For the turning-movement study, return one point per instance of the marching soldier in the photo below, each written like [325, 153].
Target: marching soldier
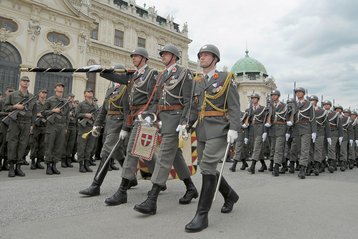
[323, 134]
[277, 129]
[86, 113]
[218, 107]
[305, 129]
[56, 111]
[112, 117]
[171, 104]
[335, 124]
[70, 134]
[355, 130]
[142, 87]
[352, 148]
[241, 145]
[258, 116]
[38, 133]
[3, 130]
[347, 138]
[19, 129]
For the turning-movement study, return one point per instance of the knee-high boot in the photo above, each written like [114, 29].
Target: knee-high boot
[94, 189]
[200, 220]
[230, 196]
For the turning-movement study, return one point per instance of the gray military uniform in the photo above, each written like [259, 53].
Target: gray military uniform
[258, 117]
[323, 132]
[335, 124]
[38, 134]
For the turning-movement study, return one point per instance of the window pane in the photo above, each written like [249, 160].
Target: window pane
[141, 42]
[56, 37]
[118, 38]
[8, 24]
[94, 32]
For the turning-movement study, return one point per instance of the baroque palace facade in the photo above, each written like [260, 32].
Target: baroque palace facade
[76, 33]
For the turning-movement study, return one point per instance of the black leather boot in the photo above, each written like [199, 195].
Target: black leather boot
[322, 166]
[244, 164]
[233, 166]
[317, 167]
[38, 164]
[149, 206]
[5, 165]
[297, 166]
[291, 167]
[49, 169]
[82, 167]
[120, 196]
[283, 168]
[113, 165]
[54, 169]
[91, 162]
[309, 169]
[276, 170]
[302, 173]
[94, 189]
[263, 166]
[11, 170]
[252, 167]
[343, 166]
[86, 166]
[190, 193]
[200, 220]
[351, 164]
[331, 165]
[69, 162]
[230, 196]
[33, 164]
[18, 171]
[270, 168]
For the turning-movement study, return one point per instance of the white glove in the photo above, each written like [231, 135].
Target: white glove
[182, 132]
[92, 67]
[351, 142]
[96, 131]
[340, 140]
[289, 123]
[246, 140]
[148, 119]
[357, 142]
[264, 137]
[244, 126]
[123, 134]
[232, 136]
[287, 137]
[314, 135]
[268, 125]
[329, 140]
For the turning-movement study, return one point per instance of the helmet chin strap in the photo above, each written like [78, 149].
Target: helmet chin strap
[140, 62]
[171, 58]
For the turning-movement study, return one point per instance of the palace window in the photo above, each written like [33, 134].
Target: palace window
[94, 32]
[56, 37]
[8, 24]
[141, 42]
[118, 38]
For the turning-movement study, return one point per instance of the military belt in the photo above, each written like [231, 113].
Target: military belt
[212, 113]
[302, 122]
[279, 122]
[170, 107]
[114, 112]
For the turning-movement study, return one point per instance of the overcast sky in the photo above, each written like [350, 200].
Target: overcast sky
[314, 43]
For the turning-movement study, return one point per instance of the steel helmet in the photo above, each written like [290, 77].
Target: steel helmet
[276, 92]
[314, 97]
[210, 48]
[170, 48]
[140, 51]
[255, 95]
[300, 89]
[327, 102]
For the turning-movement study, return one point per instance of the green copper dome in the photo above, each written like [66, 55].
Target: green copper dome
[248, 65]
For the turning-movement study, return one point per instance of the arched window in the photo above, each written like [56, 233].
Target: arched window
[8, 24]
[48, 80]
[10, 61]
[56, 37]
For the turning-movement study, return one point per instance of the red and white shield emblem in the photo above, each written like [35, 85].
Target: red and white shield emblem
[146, 139]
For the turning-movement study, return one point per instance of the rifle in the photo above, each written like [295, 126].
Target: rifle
[13, 114]
[322, 101]
[84, 121]
[250, 112]
[54, 115]
[40, 120]
[269, 106]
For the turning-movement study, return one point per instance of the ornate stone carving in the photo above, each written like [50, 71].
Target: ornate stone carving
[83, 41]
[4, 34]
[152, 14]
[81, 5]
[34, 29]
[58, 47]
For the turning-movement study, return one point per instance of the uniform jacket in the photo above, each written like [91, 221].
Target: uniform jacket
[348, 133]
[210, 127]
[305, 122]
[83, 108]
[30, 109]
[53, 102]
[323, 128]
[335, 124]
[257, 119]
[279, 118]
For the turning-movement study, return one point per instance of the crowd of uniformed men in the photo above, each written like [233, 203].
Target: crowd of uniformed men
[298, 135]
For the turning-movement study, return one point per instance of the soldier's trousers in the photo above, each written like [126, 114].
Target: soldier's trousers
[168, 156]
[317, 150]
[343, 152]
[17, 140]
[210, 153]
[352, 150]
[110, 139]
[3, 143]
[332, 148]
[38, 142]
[257, 150]
[240, 148]
[278, 148]
[295, 150]
[84, 147]
[303, 144]
[55, 141]
[70, 141]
